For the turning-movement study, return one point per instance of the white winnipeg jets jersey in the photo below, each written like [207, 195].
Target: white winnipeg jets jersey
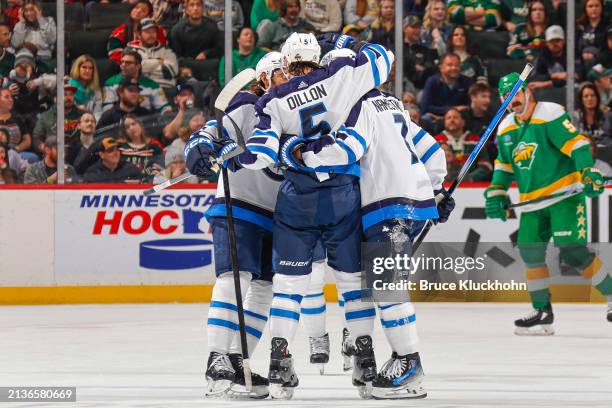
[394, 180]
[314, 104]
[253, 192]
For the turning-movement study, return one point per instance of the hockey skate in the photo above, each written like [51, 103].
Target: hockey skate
[319, 351]
[537, 323]
[238, 389]
[219, 375]
[347, 351]
[282, 377]
[610, 311]
[400, 378]
[364, 366]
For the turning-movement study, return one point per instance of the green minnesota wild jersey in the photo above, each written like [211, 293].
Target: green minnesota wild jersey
[538, 154]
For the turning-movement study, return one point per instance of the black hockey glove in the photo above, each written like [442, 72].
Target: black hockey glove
[446, 204]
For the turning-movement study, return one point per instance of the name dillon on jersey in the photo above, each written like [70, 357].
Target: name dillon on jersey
[315, 93]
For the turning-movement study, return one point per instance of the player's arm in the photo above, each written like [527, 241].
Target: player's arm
[263, 145]
[429, 153]
[496, 195]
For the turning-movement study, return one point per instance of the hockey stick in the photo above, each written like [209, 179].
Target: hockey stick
[225, 96]
[574, 191]
[474, 154]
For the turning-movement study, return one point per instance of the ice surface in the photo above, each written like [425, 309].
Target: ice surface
[153, 356]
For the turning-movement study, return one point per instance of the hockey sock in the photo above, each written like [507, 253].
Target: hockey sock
[538, 282]
[288, 291]
[398, 323]
[313, 304]
[222, 316]
[359, 314]
[256, 308]
[600, 278]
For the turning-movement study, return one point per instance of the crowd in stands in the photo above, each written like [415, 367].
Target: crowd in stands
[142, 75]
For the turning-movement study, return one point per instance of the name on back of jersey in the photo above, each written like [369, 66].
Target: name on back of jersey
[312, 94]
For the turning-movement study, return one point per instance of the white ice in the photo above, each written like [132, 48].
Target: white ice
[153, 356]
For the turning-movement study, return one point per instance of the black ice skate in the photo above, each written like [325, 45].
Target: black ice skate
[219, 375]
[610, 311]
[537, 323]
[282, 376]
[238, 389]
[319, 351]
[400, 378]
[364, 366]
[348, 351]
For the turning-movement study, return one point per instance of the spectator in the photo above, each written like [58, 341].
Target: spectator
[513, 13]
[35, 29]
[111, 168]
[246, 56]
[264, 11]
[419, 61]
[153, 97]
[84, 77]
[415, 7]
[45, 171]
[128, 31]
[138, 148]
[175, 166]
[360, 12]
[13, 12]
[324, 15]
[477, 116]
[184, 100]
[196, 36]
[479, 14]
[462, 142]
[353, 30]
[158, 61]
[471, 65]
[528, 38]
[601, 165]
[589, 117]
[7, 58]
[414, 112]
[600, 76]
[452, 167]
[46, 125]
[604, 57]
[165, 12]
[382, 29]
[12, 166]
[20, 137]
[436, 28]
[273, 35]
[83, 139]
[550, 67]
[444, 90]
[215, 10]
[591, 30]
[128, 93]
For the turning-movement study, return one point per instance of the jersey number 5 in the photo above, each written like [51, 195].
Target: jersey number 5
[400, 120]
[307, 114]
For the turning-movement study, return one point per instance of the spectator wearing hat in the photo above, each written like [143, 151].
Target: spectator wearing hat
[273, 35]
[175, 166]
[324, 15]
[246, 56]
[46, 125]
[601, 78]
[158, 61]
[19, 134]
[111, 168]
[360, 12]
[184, 100]
[196, 36]
[7, 58]
[83, 139]
[153, 96]
[550, 67]
[215, 10]
[479, 14]
[45, 171]
[419, 60]
[128, 93]
[528, 38]
[436, 27]
[35, 29]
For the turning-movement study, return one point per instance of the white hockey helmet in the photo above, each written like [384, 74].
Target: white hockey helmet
[301, 47]
[267, 65]
[339, 53]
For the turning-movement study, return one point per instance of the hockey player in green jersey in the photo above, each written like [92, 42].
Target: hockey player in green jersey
[542, 151]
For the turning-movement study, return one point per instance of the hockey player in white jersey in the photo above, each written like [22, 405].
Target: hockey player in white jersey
[397, 198]
[253, 201]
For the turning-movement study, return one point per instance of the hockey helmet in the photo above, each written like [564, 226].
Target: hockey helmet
[301, 47]
[267, 65]
[507, 82]
[339, 53]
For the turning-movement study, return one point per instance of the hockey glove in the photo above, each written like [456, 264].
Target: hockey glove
[446, 204]
[593, 182]
[333, 41]
[496, 202]
[201, 151]
[288, 145]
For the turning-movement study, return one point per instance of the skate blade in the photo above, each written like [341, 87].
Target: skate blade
[217, 389]
[365, 391]
[539, 330]
[398, 393]
[347, 363]
[321, 368]
[277, 391]
[238, 392]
